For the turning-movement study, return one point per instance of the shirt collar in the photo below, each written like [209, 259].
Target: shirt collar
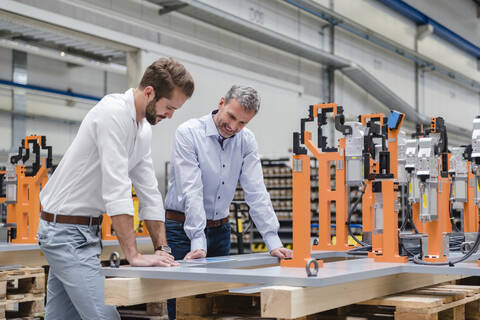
[131, 103]
[211, 129]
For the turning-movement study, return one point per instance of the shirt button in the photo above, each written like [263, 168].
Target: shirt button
[224, 166]
[218, 197]
[223, 182]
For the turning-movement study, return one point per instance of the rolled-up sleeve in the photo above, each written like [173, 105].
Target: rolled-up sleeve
[256, 195]
[111, 135]
[190, 187]
[146, 188]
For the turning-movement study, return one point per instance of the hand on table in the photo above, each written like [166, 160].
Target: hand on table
[151, 260]
[195, 254]
[282, 253]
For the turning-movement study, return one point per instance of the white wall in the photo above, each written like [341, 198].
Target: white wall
[58, 75]
[218, 58]
[282, 105]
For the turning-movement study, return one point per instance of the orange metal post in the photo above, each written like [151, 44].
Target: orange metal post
[435, 229]
[390, 226]
[443, 203]
[470, 209]
[301, 213]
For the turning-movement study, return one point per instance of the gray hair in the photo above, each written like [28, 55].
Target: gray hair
[247, 97]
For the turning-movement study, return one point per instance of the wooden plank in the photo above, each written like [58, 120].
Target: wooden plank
[414, 316]
[29, 298]
[412, 301]
[452, 295]
[3, 290]
[443, 307]
[294, 302]
[470, 290]
[130, 291]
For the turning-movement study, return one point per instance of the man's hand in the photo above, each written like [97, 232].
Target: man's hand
[282, 253]
[164, 254]
[123, 225]
[147, 260]
[195, 254]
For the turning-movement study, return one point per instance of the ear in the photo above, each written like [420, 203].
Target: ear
[149, 92]
[221, 103]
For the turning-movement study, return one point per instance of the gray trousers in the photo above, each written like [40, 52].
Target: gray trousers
[75, 287]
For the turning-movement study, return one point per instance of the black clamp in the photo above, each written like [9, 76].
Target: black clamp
[114, 260]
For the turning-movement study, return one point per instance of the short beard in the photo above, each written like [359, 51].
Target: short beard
[151, 113]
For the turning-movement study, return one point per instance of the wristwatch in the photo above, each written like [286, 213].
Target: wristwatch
[167, 249]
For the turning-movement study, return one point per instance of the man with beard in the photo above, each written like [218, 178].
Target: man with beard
[110, 152]
[210, 155]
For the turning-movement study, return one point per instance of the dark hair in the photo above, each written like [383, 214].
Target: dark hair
[166, 74]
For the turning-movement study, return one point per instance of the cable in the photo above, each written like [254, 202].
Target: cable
[417, 259]
[408, 217]
[360, 251]
[350, 212]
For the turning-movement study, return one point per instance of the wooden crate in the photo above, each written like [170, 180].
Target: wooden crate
[22, 293]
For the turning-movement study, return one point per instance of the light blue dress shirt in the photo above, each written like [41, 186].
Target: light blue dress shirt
[204, 176]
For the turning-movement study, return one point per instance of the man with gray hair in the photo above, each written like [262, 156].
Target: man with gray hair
[210, 155]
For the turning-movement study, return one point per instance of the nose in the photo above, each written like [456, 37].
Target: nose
[170, 114]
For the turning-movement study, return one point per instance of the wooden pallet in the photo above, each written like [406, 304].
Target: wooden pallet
[444, 301]
[150, 311]
[430, 303]
[22, 293]
[223, 306]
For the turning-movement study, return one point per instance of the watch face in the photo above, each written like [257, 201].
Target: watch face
[166, 249]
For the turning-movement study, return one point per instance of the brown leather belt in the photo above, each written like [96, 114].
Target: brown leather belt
[180, 217]
[71, 219]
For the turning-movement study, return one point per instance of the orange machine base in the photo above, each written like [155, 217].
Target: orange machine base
[373, 254]
[435, 259]
[298, 263]
[394, 259]
[478, 262]
[333, 247]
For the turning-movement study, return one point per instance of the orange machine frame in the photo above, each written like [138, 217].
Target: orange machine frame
[325, 193]
[25, 213]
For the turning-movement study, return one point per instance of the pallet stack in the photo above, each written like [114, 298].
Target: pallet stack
[22, 293]
[444, 301]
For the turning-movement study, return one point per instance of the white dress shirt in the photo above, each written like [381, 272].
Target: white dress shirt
[96, 173]
[204, 176]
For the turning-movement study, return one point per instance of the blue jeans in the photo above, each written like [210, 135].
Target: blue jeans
[218, 244]
[75, 288]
